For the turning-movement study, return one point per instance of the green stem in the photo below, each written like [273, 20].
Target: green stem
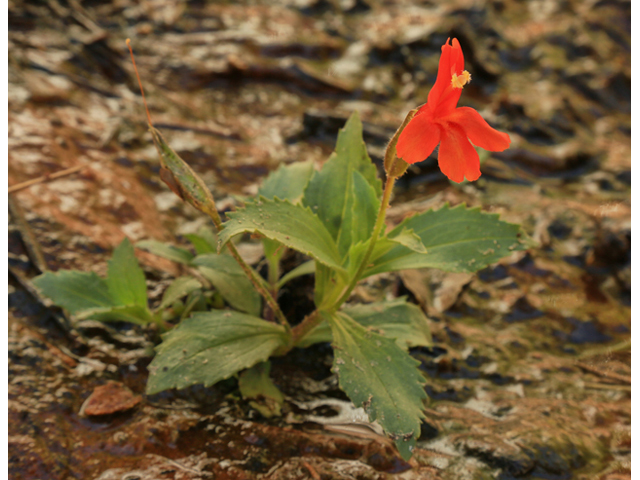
[308, 323]
[162, 325]
[258, 281]
[274, 274]
[377, 229]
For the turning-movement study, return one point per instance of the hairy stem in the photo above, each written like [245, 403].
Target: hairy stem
[308, 323]
[274, 275]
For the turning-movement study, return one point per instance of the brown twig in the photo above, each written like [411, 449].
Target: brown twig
[179, 465]
[65, 357]
[45, 178]
[607, 386]
[311, 470]
[32, 245]
[624, 379]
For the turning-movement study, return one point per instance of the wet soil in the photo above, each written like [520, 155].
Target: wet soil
[529, 374]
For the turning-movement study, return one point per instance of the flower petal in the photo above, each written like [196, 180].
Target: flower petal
[443, 98]
[457, 157]
[418, 139]
[478, 130]
[457, 58]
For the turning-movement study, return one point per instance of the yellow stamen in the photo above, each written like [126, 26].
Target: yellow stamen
[459, 81]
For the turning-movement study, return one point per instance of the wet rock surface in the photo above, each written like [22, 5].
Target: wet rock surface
[529, 374]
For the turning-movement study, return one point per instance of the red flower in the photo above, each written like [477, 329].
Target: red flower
[440, 122]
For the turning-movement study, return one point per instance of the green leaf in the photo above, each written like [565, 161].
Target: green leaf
[380, 377]
[75, 291]
[204, 241]
[230, 280]
[180, 287]
[360, 214]
[125, 278]
[304, 269]
[273, 252]
[256, 384]
[329, 286]
[166, 250]
[201, 245]
[195, 302]
[209, 347]
[287, 182]
[356, 255]
[330, 190]
[86, 295]
[119, 313]
[209, 234]
[409, 239]
[397, 319]
[293, 225]
[457, 239]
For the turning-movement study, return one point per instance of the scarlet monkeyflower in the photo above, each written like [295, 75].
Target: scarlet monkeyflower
[439, 121]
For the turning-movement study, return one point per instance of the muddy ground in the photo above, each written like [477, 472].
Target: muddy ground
[529, 374]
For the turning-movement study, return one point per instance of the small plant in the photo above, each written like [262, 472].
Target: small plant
[336, 217]
[121, 296]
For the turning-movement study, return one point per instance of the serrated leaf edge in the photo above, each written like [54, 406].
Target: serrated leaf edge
[421, 413]
[205, 383]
